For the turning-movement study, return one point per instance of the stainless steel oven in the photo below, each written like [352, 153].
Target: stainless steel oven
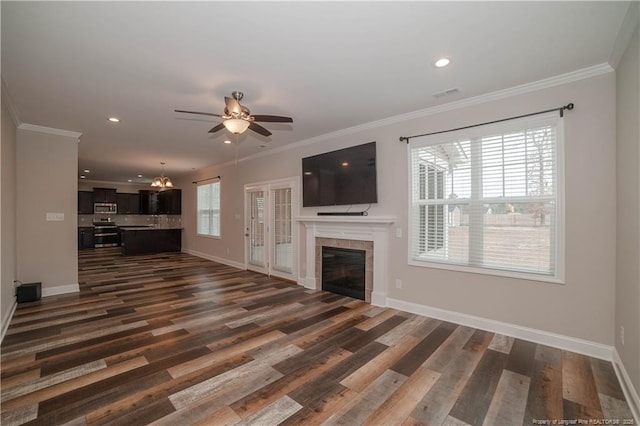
[105, 208]
[105, 234]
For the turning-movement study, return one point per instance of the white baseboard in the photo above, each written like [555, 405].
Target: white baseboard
[630, 392]
[559, 341]
[61, 289]
[7, 319]
[215, 258]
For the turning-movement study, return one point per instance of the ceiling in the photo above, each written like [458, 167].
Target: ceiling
[329, 65]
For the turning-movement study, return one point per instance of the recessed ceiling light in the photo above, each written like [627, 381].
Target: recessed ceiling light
[442, 62]
[129, 180]
[114, 119]
[307, 173]
[227, 141]
[139, 175]
[345, 164]
[82, 176]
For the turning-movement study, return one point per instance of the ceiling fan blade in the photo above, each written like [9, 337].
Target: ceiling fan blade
[259, 129]
[199, 113]
[272, 119]
[233, 106]
[217, 128]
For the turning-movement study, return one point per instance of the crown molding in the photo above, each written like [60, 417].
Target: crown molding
[7, 100]
[50, 130]
[558, 80]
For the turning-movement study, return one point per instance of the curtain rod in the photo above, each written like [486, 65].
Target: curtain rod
[561, 110]
[202, 180]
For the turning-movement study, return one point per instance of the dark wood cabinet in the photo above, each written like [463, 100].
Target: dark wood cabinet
[170, 201]
[148, 202]
[144, 241]
[104, 195]
[164, 202]
[128, 203]
[85, 238]
[85, 202]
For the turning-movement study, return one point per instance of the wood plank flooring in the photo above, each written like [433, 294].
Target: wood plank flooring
[173, 339]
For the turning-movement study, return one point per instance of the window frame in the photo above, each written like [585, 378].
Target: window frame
[558, 231]
[198, 186]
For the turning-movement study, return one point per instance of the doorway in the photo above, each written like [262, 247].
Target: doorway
[271, 235]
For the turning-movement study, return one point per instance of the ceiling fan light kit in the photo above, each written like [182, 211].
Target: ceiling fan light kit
[237, 118]
[236, 125]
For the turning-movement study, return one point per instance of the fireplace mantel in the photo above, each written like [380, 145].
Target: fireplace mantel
[374, 220]
[361, 228]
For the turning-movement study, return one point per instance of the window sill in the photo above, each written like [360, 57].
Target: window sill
[214, 237]
[487, 271]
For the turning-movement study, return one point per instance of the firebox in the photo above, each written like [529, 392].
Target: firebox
[343, 271]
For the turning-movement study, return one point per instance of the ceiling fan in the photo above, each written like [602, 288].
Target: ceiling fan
[237, 117]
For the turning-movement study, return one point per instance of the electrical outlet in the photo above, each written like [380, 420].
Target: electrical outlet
[228, 250]
[55, 217]
[398, 283]
[622, 334]
[398, 232]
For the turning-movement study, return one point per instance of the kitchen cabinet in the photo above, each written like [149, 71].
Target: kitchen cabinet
[170, 201]
[104, 195]
[85, 238]
[148, 202]
[143, 240]
[85, 202]
[128, 203]
[163, 202]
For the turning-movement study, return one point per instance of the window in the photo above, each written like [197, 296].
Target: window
[489, 201]
[208, 201]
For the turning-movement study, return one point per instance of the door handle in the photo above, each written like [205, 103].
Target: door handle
[246, 235]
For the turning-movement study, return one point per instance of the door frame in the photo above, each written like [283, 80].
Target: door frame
[267, 187]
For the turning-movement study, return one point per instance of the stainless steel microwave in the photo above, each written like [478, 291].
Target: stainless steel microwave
[105, 208]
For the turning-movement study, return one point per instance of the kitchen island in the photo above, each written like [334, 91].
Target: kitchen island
[146, 240]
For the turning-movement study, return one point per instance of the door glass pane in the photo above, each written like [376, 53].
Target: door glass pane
[256, 228]
[281, 241]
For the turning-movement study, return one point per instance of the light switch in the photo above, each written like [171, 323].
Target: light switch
[398, 232]
[55, 217]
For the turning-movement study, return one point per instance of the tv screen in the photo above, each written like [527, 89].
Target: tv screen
[342, 177]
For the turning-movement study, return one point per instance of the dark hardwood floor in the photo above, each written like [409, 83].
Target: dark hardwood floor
[174, 339]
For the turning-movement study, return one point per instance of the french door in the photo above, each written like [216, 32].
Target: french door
[271, 237]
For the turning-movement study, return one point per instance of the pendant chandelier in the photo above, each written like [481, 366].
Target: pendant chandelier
[162, 182]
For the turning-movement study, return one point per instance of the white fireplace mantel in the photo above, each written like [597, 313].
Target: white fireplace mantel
[361, 228]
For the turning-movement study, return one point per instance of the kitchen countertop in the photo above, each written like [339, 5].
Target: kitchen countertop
[147, 228]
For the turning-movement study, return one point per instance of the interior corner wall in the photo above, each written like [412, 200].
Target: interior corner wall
[627, 310]
[582, 308]
[8, 266]
[47, 183]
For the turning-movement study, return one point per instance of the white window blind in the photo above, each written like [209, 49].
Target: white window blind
[208, 203]
[489, 198]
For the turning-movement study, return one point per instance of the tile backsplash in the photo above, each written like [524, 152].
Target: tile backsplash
[160, 220]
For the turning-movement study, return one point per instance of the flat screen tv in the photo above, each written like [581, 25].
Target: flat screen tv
[342, 177]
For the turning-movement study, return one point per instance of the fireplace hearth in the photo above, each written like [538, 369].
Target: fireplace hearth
[343, 271]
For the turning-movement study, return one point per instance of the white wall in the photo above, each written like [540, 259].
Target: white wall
[627, 312]
[581, 308]
[8, 237]
[47, 183]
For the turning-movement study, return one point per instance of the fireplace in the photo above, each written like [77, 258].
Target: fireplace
[343, 271]
[367, 233]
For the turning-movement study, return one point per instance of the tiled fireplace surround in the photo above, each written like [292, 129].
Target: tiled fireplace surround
[369, 233]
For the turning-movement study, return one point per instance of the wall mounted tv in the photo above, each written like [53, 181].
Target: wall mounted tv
[342, 177]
